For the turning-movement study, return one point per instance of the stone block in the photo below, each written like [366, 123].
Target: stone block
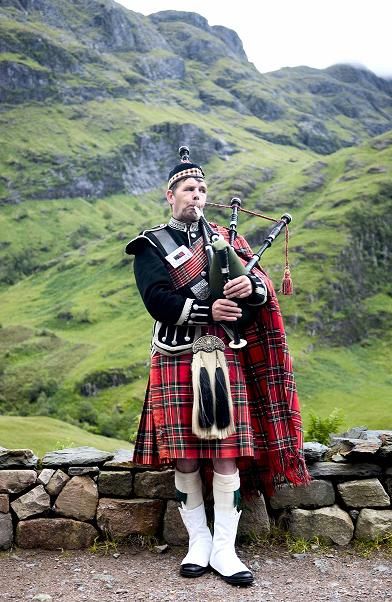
[174, 531]
[115, 484]
[254, 519]
[356, 449]
[155, 484]
[76, 456]
[78, 499]
[45, 475]
[314, 451]
[122, 460]
[83, 471]
[57, 482]
[365, 493]
[356, 432]
[332, 469]
[34, 502]
[315, 495]
[331, 523]
[4, 503]
[122, 518]
[6, 531]
[384, 435]
[15, 481]
[55, 534]
[373, 523]
[17, 458]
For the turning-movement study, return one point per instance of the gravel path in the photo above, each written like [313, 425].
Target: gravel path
[333, 576]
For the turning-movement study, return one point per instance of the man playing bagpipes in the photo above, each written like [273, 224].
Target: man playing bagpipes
[209, 400]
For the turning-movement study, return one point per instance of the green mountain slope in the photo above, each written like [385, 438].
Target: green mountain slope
[96, 100]
[46, 434]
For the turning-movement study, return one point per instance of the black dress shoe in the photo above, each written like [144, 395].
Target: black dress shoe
[242, 578]
[192, 570]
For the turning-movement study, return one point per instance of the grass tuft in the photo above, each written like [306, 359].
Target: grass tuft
[368, 547]
[279, 537]
[109, 545]
[143, 542]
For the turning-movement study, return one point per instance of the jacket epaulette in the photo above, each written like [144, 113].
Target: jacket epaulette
[132, 246]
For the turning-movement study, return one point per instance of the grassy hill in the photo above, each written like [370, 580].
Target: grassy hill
[84, 157]
[42, 434]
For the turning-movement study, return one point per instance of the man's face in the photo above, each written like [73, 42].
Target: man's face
[188, 193]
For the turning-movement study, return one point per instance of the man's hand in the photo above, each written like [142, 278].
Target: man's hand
[226, 310]
[240, 288]
[229, 311]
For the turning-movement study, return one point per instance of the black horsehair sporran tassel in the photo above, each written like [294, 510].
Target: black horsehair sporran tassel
[222, 413]
[206, 400]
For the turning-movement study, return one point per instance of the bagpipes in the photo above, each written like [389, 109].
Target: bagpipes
[224, 263]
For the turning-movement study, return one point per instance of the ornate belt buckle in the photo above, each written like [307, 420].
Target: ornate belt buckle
[208, 343]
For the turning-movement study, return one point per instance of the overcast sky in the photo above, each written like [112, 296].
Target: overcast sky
[281, 33]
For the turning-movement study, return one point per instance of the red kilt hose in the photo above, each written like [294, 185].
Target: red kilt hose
[268, 441]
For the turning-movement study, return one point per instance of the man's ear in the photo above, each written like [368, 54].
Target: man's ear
[170, 196]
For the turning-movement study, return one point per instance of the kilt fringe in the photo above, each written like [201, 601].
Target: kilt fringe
[285, 468]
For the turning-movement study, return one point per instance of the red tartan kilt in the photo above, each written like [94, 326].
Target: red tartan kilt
[165, 431]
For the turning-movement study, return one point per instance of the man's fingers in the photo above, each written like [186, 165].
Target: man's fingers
[226, 310]
[238, 287]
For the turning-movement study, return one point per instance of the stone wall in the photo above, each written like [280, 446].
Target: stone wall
[72, 496]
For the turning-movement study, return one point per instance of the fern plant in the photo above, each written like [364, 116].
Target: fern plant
[320, 428]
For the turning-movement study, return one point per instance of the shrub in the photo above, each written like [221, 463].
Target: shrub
[83, 316]
[35, 389]
[15, 267]
[87, 413]
[65, 314]
[110, 425]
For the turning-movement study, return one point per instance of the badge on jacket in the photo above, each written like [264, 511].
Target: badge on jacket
[179, 256]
